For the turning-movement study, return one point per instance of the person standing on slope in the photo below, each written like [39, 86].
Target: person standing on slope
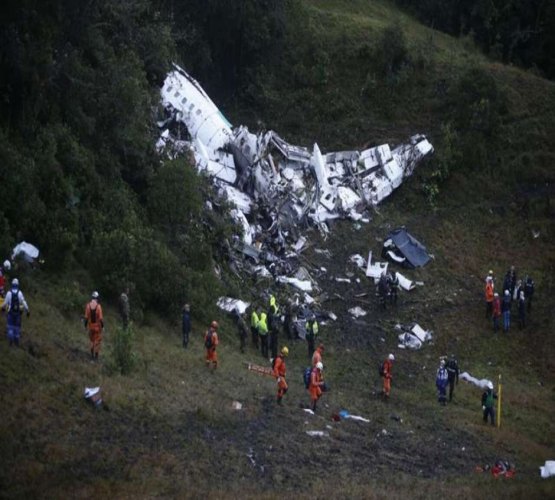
[387, 375]
[316, 384]
[186, 325]
[94, 323]
[317, 356]
[15, 304]
[279, 373]
[488, 406]
[442, 379]
[452, 367]
[496, 313]
[211, 341]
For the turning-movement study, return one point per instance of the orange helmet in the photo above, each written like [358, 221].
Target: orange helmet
[214, 324]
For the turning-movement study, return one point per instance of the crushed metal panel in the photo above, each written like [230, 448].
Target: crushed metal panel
[229, 304]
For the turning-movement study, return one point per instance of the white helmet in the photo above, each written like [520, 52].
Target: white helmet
[15, 282]
[391, 357]
[319, 365]
[95, 295]
[442, 362]
[490, 385]
[7, 265]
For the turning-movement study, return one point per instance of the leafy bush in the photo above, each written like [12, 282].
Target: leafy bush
[123, 356]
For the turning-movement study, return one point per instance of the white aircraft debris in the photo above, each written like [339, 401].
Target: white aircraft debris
[481, 383]
[357, 312]
[276, 187]
[228, 304]
[413, 337]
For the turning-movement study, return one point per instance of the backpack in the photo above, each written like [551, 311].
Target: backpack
[208, 340]
[381, 369]
[15, 307]
[306, 376]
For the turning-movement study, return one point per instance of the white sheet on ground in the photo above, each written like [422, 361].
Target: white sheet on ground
[482, 383]
[405, 283]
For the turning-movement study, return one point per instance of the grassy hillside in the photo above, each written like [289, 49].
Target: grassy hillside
[169, 429]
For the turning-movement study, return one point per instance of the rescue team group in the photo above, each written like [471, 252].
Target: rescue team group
[264, 328]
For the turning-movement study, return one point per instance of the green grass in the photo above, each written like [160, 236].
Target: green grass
[168, 429]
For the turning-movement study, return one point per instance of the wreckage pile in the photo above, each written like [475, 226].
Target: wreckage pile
[277, 188]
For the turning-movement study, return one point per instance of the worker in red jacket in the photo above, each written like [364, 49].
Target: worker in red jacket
[279, 373]
[387, 376]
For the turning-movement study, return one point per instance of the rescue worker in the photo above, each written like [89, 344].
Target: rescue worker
[529, 286]
[387, 375]
[316, 384]
[263, 334]
[254, 327]
[489, 293]
[383, 290]
[393, 284]
[506, 309]
[124, 308]
[317, 356]
[273, 326]
[186, 324]
[94, 323]
[211, 341]
[279, 373]
[311, 327]
[496, 313]
[521, 310]
[488, 406]
[15, 303]
[3, 270]
[242, 330]
[287, 321]
[442, 379]
[452, 367]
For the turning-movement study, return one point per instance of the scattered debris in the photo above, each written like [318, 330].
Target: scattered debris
[358, 260]
[413, 337]
[500, 468]
[29, 253]
[357, 312]
[278, 188]
[261, 370]
[344, 414]
[231, 305]
[93, 396]
[403, 248]
[318, 433]
[235, 405]
[482, 383]
[548, 469]
[308, 410]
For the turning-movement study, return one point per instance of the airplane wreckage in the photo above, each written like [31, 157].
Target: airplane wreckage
[278, 188]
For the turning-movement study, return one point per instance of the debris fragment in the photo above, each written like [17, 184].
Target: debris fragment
[230, 305]
[28, 252]
[413, 337]
[318, 433]
[236, 405]
[548, 469]
[402, 247]
[344, 414]
[357, 312]
[93, 395]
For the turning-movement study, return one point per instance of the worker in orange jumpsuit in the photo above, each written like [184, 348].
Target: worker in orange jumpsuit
[94, 323]
[387, 376]
[316, 384]
[489, 297]
[317, 356]
[211, 341]
[279, 372]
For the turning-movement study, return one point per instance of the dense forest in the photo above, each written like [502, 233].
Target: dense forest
[79, 93]
[517, 31]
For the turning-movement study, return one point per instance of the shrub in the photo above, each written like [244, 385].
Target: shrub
[123, 356]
